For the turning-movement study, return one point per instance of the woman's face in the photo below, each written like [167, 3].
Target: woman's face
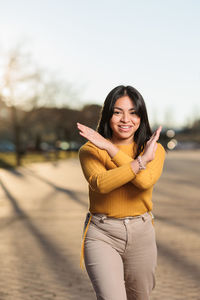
[124, 121]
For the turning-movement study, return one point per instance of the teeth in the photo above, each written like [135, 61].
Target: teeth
[125, 126]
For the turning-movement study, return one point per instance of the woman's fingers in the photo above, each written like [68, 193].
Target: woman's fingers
[88, 133]
[151, 145]
[84, 129]
[81, 126]
[92, 136]
[159, 129]
[156, 134]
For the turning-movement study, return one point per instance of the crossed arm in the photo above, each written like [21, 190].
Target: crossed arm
[148, 177]
[103, 180]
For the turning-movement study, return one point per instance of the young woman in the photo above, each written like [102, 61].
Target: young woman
[121, 162]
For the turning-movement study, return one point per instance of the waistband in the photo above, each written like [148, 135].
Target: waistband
[103, 217]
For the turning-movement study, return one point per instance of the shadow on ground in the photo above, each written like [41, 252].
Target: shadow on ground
[59, 264]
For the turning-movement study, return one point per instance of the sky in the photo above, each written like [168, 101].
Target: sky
[153, 45]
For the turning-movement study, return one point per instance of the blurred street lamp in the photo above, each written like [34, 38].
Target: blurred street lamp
[170, 133]
[172, 144]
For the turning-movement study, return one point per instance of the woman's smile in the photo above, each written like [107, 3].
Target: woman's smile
[125, 128]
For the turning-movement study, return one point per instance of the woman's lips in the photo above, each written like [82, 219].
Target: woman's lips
[125, 128]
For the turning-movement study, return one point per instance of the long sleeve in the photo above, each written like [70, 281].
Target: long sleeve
[99, 178]
[148, 177]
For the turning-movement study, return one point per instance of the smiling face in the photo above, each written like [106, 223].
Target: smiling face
[124, 121]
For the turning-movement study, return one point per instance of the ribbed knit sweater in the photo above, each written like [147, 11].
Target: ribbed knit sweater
[114, 188]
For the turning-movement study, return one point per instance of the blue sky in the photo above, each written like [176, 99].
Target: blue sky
[153, 45]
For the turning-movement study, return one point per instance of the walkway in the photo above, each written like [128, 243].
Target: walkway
[42, 209]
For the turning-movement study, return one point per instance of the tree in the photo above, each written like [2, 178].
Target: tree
[24, 89]
[18, 78]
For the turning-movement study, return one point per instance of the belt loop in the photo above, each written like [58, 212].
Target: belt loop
[152, 217]
[102, 219]
[145, 216]
[151, 214]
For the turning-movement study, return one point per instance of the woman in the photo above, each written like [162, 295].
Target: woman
[121, 162]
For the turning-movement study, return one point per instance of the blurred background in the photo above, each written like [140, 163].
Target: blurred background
[58, 61]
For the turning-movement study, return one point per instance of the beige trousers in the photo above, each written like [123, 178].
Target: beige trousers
[120, 257]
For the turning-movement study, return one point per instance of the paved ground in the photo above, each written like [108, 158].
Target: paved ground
[42, 209]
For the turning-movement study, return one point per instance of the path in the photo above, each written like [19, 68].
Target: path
[42, 209]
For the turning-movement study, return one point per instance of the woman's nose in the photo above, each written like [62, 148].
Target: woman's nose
[125, 118]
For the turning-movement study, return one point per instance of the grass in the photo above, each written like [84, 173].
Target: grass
[8, 160]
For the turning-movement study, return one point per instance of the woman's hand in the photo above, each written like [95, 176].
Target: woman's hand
[97, 139]
[93, 136]
[151, 146]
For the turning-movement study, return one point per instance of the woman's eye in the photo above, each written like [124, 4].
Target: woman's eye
[116, 112]
[133, 113]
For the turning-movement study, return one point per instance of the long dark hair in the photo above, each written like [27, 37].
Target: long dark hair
[143, 133]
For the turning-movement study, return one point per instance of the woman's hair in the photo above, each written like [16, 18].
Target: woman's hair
[143, 133]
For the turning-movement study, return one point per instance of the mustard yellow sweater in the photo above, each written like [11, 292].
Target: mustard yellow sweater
[114, 189]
